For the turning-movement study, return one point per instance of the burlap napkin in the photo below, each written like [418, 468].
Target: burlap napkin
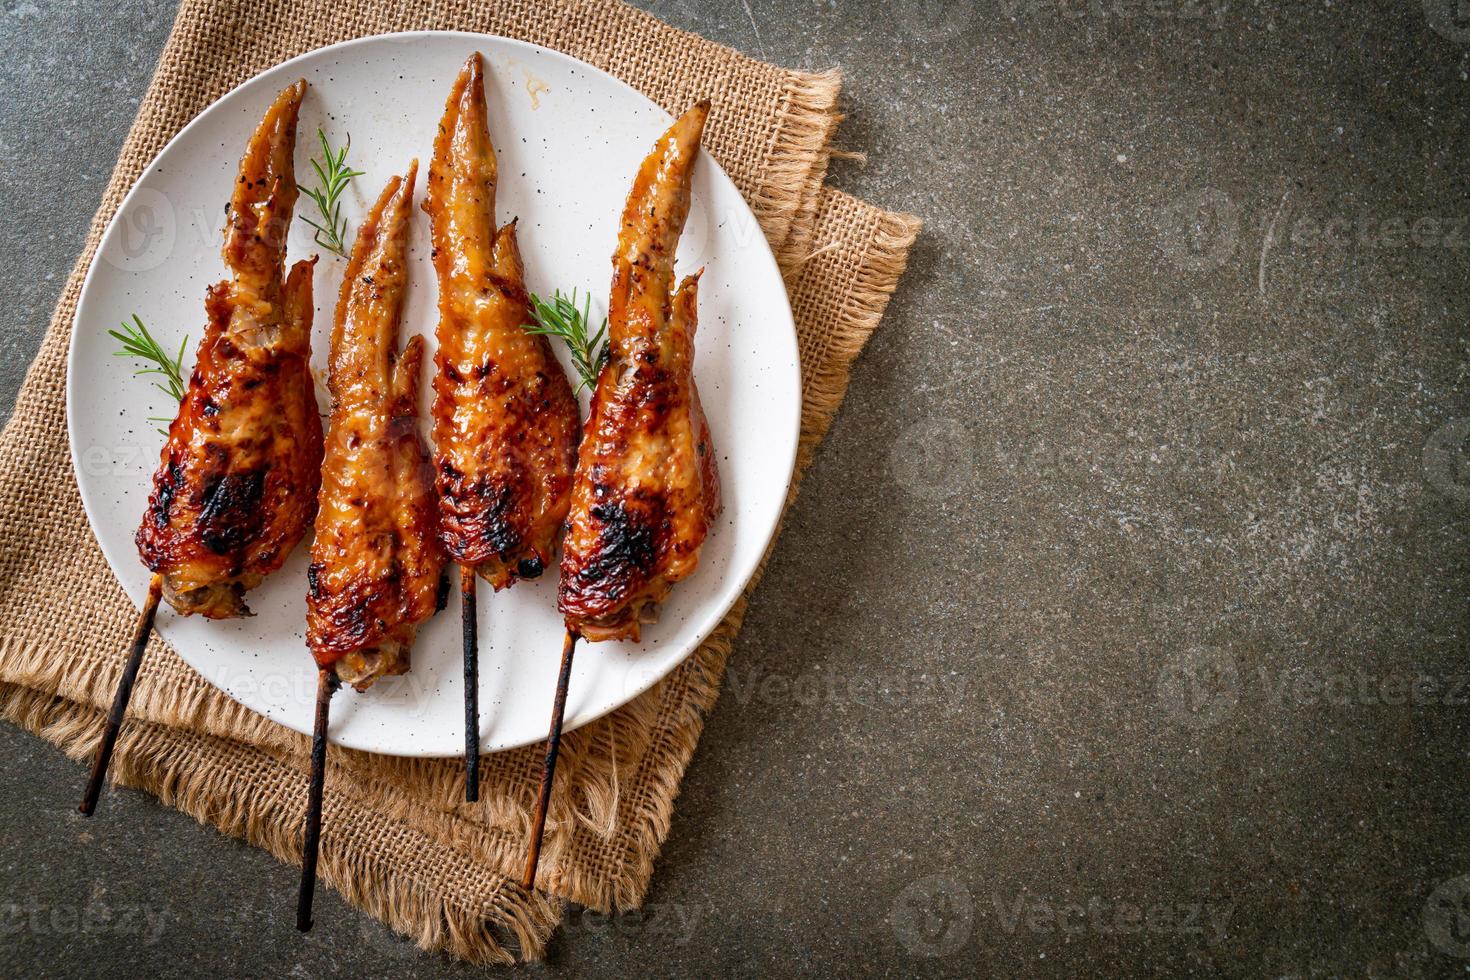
[399, 841]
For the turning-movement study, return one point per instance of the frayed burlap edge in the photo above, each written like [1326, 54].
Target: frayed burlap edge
[177, 772]
[871, 287]
[797, 164]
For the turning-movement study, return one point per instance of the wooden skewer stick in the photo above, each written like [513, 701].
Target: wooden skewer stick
[470, 626]
[326, 686]
[120, 699]
[548, 768]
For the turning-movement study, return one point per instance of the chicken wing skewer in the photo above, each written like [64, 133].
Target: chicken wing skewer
[236, 484]
[646, 490]
[505, 419]
[376, 563]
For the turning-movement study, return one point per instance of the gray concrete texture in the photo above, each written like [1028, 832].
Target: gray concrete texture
[1121, 624]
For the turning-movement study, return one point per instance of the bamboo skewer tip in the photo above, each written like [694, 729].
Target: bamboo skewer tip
[311, 837]
[548, 766]
[120, 699]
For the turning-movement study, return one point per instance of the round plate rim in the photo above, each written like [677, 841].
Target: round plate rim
[744, 571]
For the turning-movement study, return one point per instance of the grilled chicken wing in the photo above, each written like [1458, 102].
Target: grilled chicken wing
[376, 564]
[647, 489]
[237, 482]
[505, 418]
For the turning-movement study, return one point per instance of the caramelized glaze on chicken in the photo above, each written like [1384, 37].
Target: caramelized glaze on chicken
[236, 485]
[376, 563]
[647, 489]
[505, 418]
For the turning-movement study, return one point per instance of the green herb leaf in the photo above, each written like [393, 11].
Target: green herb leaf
[561, 318]
[333, 175]
[137, 342]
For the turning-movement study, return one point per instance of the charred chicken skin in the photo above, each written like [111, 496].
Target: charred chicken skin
[236, 485]
[505, 418]
[376, 564]
[647, 488]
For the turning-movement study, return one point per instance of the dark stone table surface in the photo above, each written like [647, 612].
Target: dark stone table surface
[1121, 624]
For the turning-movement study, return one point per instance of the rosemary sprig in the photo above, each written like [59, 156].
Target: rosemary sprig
[561, 318]
[139, 343]
[334, 175]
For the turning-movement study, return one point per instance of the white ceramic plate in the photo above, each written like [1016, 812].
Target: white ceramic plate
[569, 139]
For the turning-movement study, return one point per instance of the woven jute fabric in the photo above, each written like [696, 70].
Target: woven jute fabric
[399, 841]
